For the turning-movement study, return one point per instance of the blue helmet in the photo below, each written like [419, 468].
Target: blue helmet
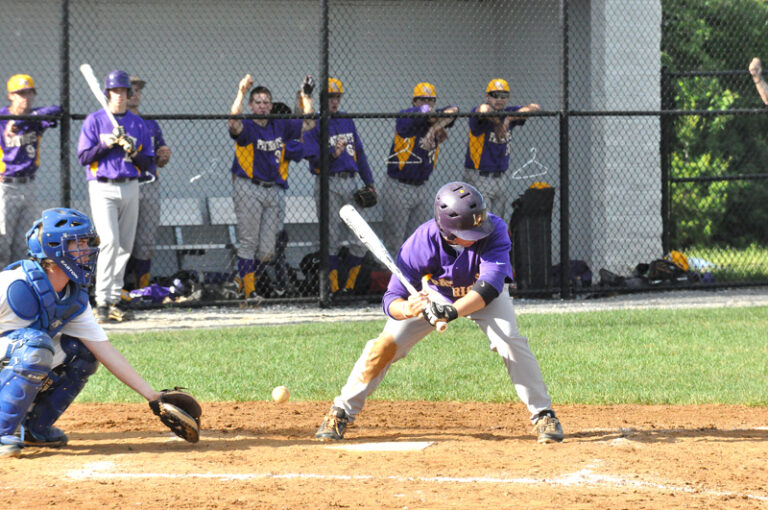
[117, 79]
[49, 236]
[460, 212]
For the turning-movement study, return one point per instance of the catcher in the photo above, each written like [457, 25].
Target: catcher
[52, 342]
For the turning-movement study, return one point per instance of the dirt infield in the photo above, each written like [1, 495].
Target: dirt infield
[261, 455]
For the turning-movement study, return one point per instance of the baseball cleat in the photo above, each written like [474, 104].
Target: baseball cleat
[102, 314]
[10, 451]
[53, 438]
[334, 424]
[548, 429]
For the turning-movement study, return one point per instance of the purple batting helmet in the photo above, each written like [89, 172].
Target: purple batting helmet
[460, 212]
[117, 79]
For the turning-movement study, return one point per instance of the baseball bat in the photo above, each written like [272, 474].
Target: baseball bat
[368, 237]
[93, 83]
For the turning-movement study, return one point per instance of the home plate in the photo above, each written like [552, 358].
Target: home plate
[399, 446]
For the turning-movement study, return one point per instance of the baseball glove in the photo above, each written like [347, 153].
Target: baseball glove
[180, 412]
[366, 197]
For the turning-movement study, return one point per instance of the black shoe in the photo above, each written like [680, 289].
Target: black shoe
[548, 428]
[102, 314]
[334, 424]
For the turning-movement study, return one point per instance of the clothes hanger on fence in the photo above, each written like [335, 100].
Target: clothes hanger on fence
[532, 165]
[394, 157]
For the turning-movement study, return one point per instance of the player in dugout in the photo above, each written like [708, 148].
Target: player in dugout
[464, 250]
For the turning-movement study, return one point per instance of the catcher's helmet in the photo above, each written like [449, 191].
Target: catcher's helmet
[497, 85]
[460, 212]
[49, 236]
[19, 82]
[117, 79]
[424, 89]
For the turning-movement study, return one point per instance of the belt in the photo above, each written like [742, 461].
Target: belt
[117, 180]
[343, 175]
[17, 180]
[263, 184]
[412, 182]
[494, 175]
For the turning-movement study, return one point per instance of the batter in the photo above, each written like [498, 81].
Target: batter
[465, 252]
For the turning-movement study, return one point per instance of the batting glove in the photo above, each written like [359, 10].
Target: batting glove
[127, 144]
[308, 85]
[118, 131]
[438, 312]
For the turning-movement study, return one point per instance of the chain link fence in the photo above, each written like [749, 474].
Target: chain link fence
[651, 142]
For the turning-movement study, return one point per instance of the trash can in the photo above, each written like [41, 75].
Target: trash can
[530, 229]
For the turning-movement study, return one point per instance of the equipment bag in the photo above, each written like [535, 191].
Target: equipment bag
[531, 233]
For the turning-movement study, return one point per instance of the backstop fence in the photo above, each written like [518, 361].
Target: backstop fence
[645, 137]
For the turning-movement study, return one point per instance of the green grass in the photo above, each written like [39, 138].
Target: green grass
[733, 264]
[646, 356]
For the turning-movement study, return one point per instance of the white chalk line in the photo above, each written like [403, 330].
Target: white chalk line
[583, 477]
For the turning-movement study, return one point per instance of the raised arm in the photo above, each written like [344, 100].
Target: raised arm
[756, 70]
[236, 125]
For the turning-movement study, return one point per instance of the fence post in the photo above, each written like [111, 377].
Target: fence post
[665, 126]
[324, 213]
[64, 124]
[565, 269]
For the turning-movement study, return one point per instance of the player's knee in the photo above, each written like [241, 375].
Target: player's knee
[31, 354]
[381, 352]
[80, 361]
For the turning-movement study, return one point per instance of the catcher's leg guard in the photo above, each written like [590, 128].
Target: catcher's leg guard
[31, 357]
[68, 381]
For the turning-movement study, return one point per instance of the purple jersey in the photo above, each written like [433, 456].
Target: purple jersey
[112, 162]
[485, 151]
[408, 159]
[453, 270]
[20, 151]
[353, 159]
[156, 137]
[265, 152]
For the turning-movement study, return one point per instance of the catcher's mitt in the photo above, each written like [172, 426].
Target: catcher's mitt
[180, 412]
[366, 197]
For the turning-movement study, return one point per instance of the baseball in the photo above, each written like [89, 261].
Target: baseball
[280, 394]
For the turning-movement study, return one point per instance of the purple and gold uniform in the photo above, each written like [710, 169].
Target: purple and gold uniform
[111, 163]
[260, 177]
[140, 263]
[343, 173]
[264, 153]
[485, 151]
[411, 161]
[453, 272]
[19, 161]
[113, 189]
[20, 151]
[467, 275]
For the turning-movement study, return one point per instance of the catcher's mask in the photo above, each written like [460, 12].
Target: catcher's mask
[460, 212]
[51, 237]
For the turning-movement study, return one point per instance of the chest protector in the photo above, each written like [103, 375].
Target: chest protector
[36, 300]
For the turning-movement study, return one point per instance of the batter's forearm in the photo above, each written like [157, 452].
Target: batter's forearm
[469, 304]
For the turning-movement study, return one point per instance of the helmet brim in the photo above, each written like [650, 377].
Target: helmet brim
[475, 234]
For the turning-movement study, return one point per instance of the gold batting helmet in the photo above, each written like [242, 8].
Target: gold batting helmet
[20, 82]
[335, 86]
[497, 85]
[424, 89]
[135, 80]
